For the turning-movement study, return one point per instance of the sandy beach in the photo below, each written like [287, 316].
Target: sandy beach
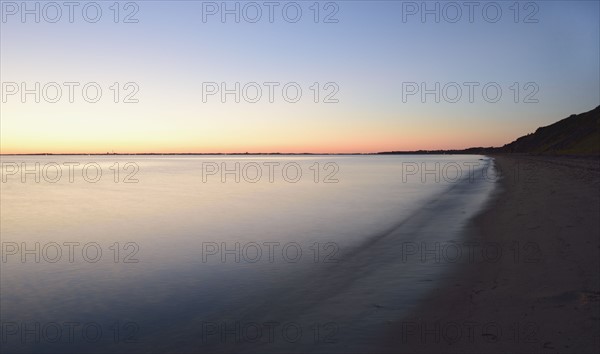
[541, 293]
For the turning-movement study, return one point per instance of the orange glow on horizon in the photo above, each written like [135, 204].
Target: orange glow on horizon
[334, 147]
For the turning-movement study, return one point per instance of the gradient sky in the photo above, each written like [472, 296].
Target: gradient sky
[369, 53]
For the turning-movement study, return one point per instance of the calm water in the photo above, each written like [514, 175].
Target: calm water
[183, 257]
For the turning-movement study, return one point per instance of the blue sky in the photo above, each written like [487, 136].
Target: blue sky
[369, 53]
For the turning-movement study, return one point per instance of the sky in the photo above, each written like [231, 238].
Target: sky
[354, 74]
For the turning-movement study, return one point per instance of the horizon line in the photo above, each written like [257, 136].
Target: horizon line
[422, 151]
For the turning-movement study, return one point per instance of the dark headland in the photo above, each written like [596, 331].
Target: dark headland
[577, 135]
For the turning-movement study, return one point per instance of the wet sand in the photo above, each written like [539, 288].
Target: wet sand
[541, 293]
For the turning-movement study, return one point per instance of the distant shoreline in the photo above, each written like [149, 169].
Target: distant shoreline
[419, 152]
[438, 152]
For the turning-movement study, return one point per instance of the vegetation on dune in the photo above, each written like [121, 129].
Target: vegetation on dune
[578, 134]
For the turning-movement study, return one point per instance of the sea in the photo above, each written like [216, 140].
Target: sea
[227, 253]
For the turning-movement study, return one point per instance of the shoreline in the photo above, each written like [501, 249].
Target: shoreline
[545, 218]
[372, 284]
